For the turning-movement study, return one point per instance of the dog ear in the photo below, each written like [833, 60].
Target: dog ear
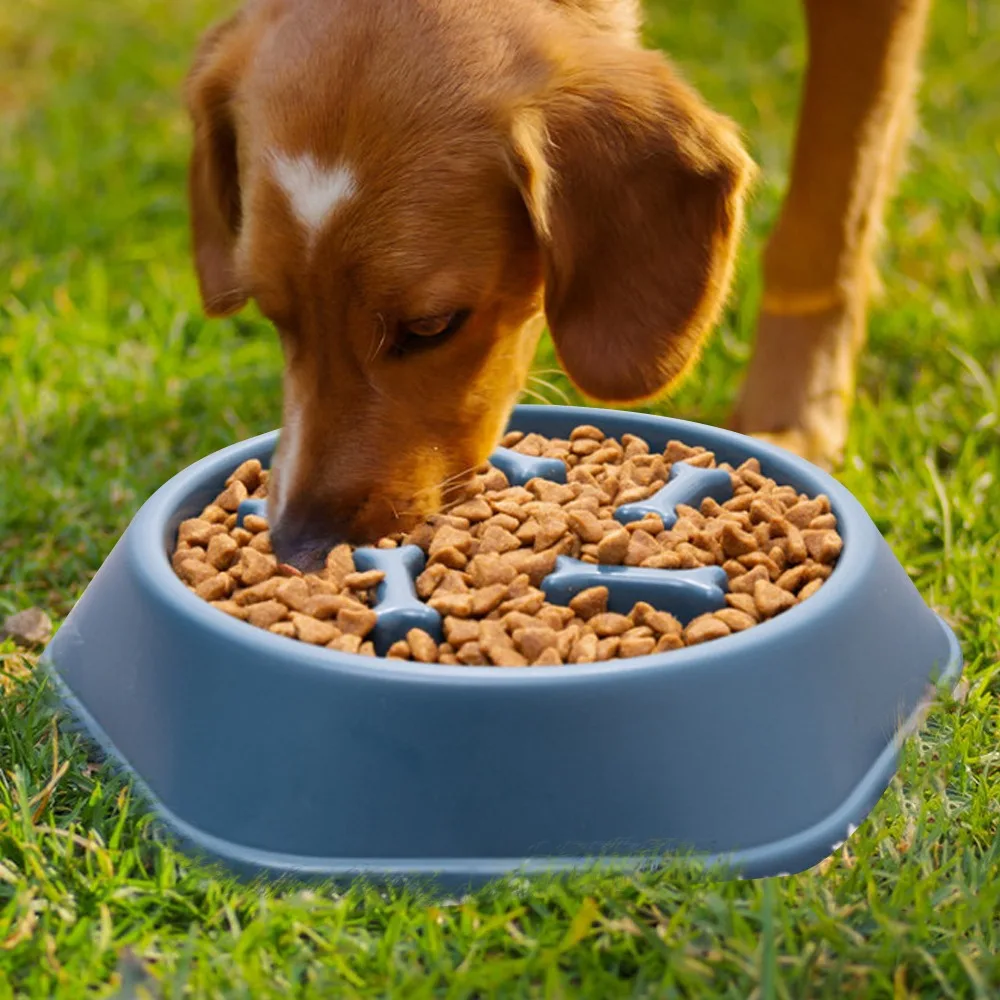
[635, 189]
[213, 173]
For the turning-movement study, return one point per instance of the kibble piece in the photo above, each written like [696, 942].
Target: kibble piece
[495, 539]
[487, 599]
[607, 648]
[362, 581]
[735, 541]
[801, 513]
[221, 552]
[793, 579]
[661, 622]
[668, 642]
[549, 492]
[609, 623]
[195, 531]
[744, 603]
[663, 560]
[824, 546]
[810, 588]
[459, 631]
[241, 536]
[232, 496]
[215, 589]
[459, 605]
[349, 643]
[705, 627]
[641, 546]
[771, 599]
[254, 567]
[254, 523]
[590, 602]
[746, 583]
[214, 514]
[636, 645]
[532, 641]
[471, 655]
[356, 621]
[261, 542]
[287, 629]
[231, 608]
[398, 650]
[195, 572]
[294, 594]
[736, 620]
[367, 648]
[324, 606]
[477, 509]
[248, 473]
[339, 564]
[613, 546]
[586, 431]
[265, 613]
[448, 537]
[429, 580]
[423, 648]
[312, 630]
[548, 657]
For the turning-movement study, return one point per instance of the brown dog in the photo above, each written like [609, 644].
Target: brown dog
[411, 189]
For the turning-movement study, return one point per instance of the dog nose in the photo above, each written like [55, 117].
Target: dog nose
[303, 541]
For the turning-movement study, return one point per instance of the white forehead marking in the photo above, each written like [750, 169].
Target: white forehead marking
[313, 191]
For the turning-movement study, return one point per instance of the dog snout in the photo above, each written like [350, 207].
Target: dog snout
[302, 538]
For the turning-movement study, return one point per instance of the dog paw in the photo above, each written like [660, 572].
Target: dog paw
[799, 386]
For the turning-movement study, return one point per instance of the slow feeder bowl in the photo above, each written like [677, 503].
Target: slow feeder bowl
[759, 752]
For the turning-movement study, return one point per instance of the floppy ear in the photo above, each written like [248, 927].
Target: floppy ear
[213, 174]
[635, 189]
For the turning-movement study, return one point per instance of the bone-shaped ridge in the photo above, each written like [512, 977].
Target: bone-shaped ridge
[688, 484]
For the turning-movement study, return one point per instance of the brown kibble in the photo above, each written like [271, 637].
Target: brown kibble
[744, 603]
[429, 580]
[254, 523]
[325, 606]
[471, 655]
[801, 513]
[254, 567]
[586, 432]
[636, 645]
[339, 564]
[532, 641]
[497, 539]
[221, 552]
[609, 623]
[487, 599]
[664, 560]
[231, 608]
[641, 546]
[735, 619]
[287, 629]
[704, 628]
[195, 531]
[459, 631]
[549, 492]
[365, 580]
[214, 514]
[398, 650]
[367, 648]
[241, 536]
[458, 605]
[232, 496]
[794, 578]
[312, 630]
[449, 557]
[549, 657]
[771, 599]
[586, 525]
[810, 588]
[824, 546]
[448, 537]
[216, 588]
[613, 546]
[607, 648]
[590, 602]
[294, 594]
[248, 473]
[585, 649]
[356, 621]
[346, 643]
[661, 622]
[195, 572]
[746, 583]
[735, 541]
[474, 510]
[265, 613]
[669, 642]
[261, 542]
[528, 603]
[422, 647]
[487, 569]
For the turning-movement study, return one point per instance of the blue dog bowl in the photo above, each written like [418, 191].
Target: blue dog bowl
[758, 753]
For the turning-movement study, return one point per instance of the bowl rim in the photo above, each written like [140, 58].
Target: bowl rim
[152, 563]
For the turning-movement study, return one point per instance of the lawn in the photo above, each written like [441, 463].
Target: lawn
[111, 381]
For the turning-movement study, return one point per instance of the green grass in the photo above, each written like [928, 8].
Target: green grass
[111, 381]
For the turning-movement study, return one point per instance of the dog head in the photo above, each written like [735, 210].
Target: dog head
[410, 191]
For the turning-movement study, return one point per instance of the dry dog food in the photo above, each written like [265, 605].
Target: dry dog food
[487, 555]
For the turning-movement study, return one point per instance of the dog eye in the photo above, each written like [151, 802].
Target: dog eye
[428, 331]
